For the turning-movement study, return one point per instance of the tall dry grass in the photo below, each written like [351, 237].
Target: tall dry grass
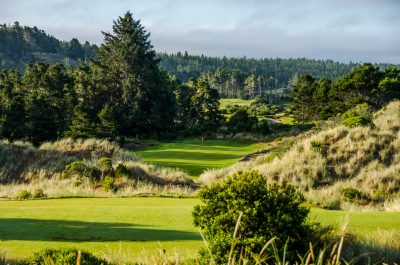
[24, 167]
[365, 158]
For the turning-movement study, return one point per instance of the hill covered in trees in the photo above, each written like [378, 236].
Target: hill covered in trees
[20, 45]
[231, 77]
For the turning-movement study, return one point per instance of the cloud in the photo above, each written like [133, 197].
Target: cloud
[357, 30]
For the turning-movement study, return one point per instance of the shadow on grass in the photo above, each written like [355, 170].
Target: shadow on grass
[76, 231]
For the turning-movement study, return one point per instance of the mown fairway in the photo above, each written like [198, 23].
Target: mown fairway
[112, 227]
[224, 102]
[130, 227]
[195, 156]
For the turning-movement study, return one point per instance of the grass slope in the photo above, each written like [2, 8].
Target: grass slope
[131, 228]
[194, 156]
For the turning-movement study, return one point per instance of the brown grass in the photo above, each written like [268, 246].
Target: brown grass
[24, 167]
[366, 158]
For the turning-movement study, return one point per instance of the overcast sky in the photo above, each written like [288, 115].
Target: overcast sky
[343, 30]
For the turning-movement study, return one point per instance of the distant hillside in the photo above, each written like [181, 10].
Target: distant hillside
[20, 45]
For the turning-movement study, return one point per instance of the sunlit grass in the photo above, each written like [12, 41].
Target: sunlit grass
[195, 156]
[128, 229]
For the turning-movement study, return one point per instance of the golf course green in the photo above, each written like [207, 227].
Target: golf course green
[131, 227]
[195, 156]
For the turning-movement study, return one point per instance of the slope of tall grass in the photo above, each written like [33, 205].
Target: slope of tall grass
[24, 167]
[341, 166]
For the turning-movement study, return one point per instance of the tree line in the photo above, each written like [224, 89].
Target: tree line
[353, 96]
[20, 44]
[121, 93]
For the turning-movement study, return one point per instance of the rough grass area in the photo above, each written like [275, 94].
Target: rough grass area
[339, 167]
[224, 102]
[23, 166]
[133, 229]
[195, 156]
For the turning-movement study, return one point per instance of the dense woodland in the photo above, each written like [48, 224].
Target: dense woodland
[355, 95]
[20, 45]
[121, 93]
[231, 77]
[125, 91]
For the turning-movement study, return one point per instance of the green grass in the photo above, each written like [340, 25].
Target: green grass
[194, 156]
[224, 102]
[130, 227]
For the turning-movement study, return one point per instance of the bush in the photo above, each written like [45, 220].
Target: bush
[121, 171]
[81, 169]
[24, 195]
[65, 257]
[38, 194]
[268, 210]
[358, 116]
[354, 195]
[108, 183]
[106, 163]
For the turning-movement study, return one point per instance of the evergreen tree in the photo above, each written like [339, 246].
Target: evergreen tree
[136, 88]
[206, 105]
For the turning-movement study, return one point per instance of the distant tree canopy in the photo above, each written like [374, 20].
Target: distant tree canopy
[20, 45]
[320, 99]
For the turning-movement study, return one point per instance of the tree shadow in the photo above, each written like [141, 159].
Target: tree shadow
[78, 231]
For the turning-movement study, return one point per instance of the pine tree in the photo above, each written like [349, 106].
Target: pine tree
[136, 88]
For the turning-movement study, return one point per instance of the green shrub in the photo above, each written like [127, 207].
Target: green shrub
[267, 210]
[24, 195]
[106, 163]
[108, 183]
[38, 194]
[65, 257]
[78, 168]
[121, 171]
[81, 169]
[353, 195]
[358, 116]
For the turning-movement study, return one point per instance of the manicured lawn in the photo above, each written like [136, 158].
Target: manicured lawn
[195, 156]
[224, 102]
[130, 227]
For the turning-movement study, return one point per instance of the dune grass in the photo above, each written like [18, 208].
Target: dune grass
[131, 229]
[194, 156]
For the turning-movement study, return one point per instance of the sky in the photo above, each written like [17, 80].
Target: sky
[342, 30]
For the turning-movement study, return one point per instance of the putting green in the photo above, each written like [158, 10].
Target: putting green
[195, 156]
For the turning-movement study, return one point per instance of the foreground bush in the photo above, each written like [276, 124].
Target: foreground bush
[65, 257]
[265, 210]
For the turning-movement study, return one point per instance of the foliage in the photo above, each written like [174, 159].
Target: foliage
[265, 210]
[241, 121]
[65, 257]
[108, 183]
[39, 194]
[354, 195]
[249, 78]
[365, 85]
[24, 195]
[20, 45]
[360, 115]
